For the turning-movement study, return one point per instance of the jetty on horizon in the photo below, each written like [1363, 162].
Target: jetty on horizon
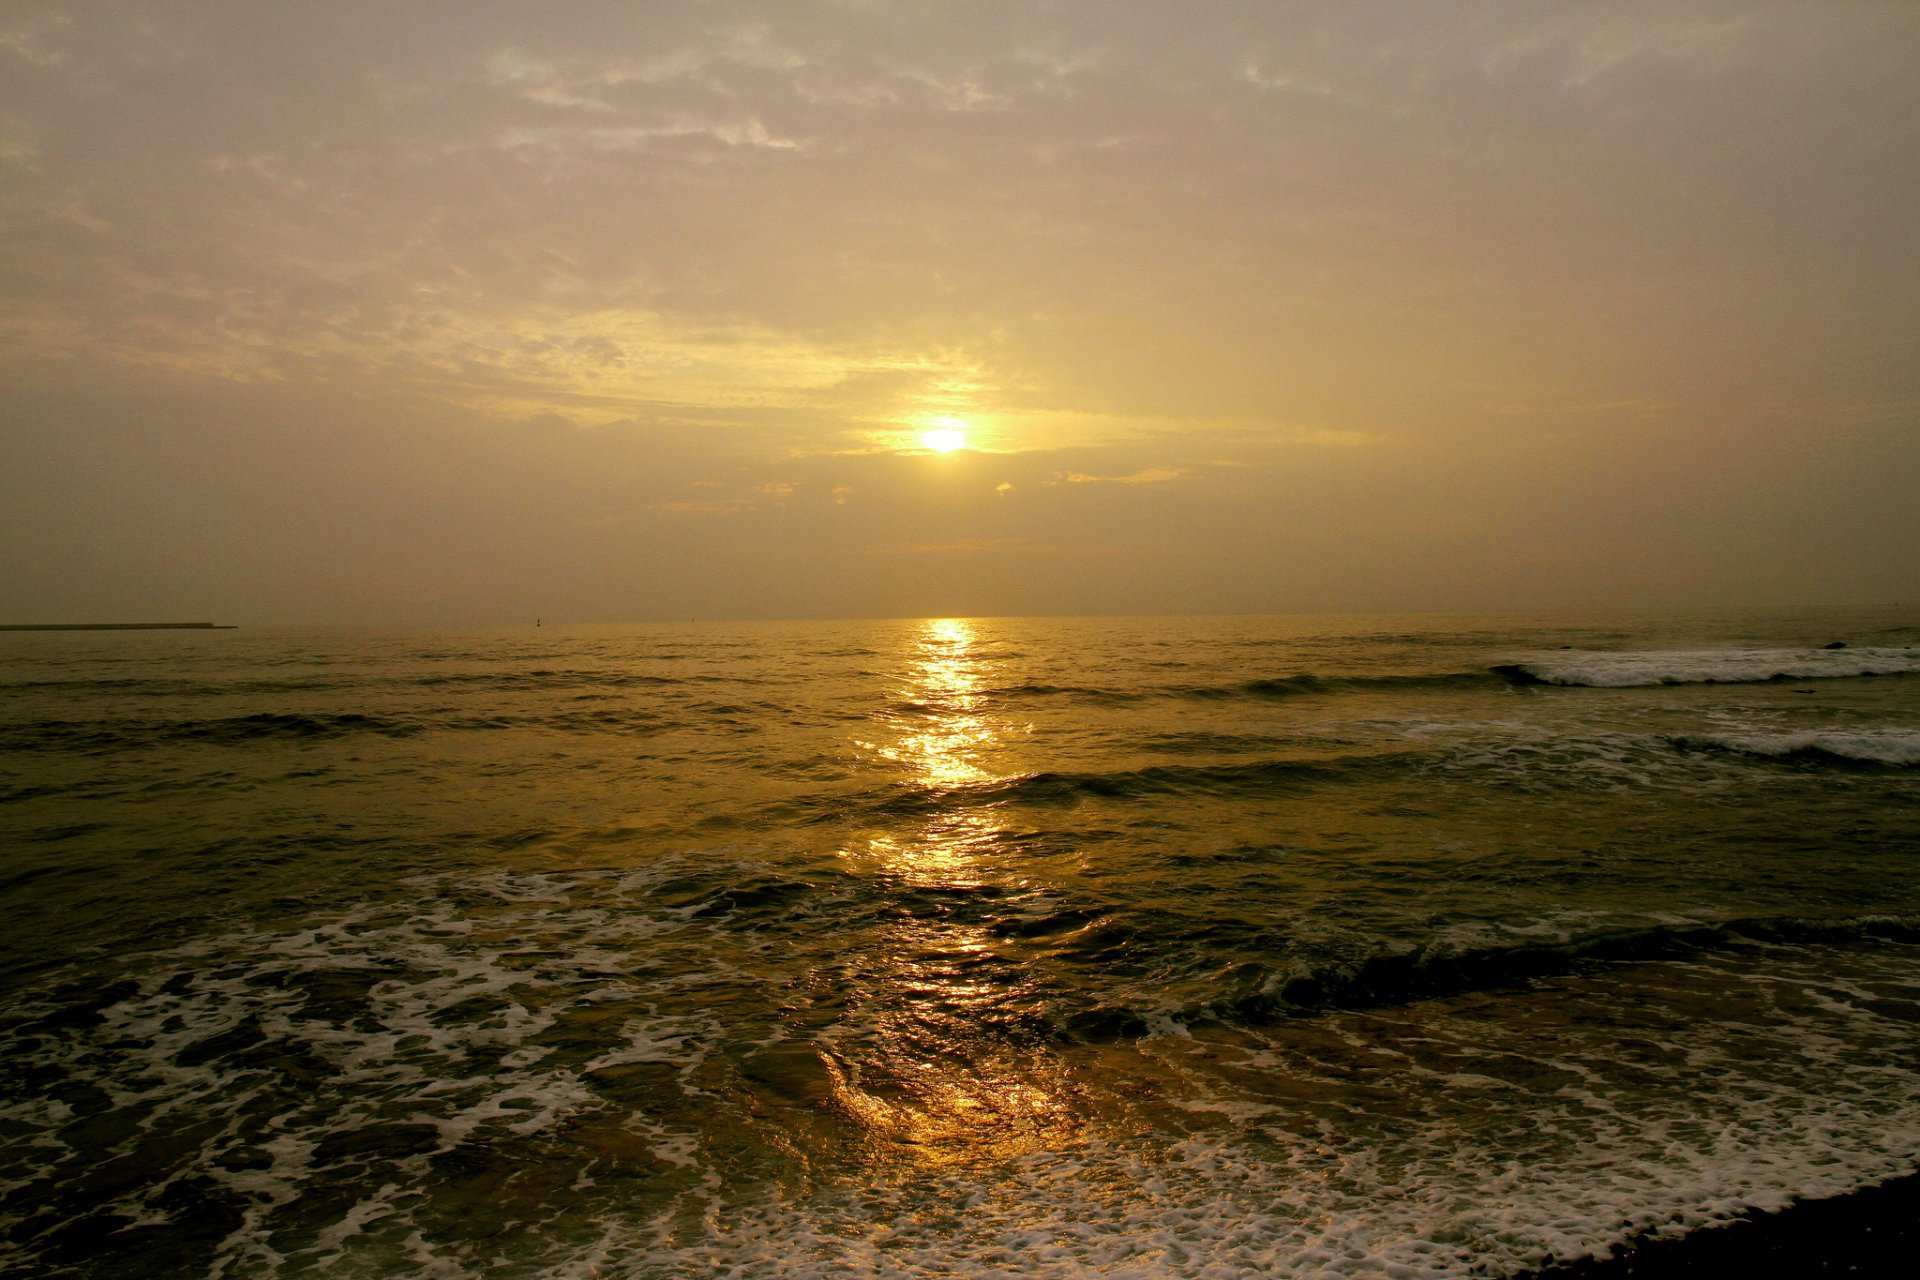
[119, 626]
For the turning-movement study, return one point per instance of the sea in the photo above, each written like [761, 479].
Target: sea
[1157, 947]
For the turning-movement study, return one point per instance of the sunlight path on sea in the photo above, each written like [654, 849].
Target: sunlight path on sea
[933, 1075]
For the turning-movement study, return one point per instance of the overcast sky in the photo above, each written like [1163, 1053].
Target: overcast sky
[466, 312]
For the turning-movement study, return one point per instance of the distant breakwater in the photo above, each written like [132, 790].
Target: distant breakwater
[117, 626]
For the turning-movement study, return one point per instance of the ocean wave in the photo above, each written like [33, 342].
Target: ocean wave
[643, 1052]
[362, 1076]
[95, 737]
[1066, 787]
[548, 678]
[541, 679]
[1650, 668]
[1253, 993]
[1817, 746]
[1307, 684]
[1303, 684]
[1043, 689]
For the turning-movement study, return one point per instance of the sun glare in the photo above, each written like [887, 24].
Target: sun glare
[945, 435]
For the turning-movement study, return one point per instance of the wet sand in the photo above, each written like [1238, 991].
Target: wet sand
[1872, 1233]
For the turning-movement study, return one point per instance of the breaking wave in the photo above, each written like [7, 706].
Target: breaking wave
[1648, 668]
[1899, 747]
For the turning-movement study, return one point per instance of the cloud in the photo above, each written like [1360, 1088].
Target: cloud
[1146, 475]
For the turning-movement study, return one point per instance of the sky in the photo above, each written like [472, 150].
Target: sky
[470, 313]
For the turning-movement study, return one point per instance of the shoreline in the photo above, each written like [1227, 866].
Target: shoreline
[1870, 1233]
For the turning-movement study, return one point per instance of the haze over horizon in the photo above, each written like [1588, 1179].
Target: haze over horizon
[454, 313]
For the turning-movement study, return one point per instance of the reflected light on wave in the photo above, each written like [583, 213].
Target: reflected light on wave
[948, 735]
[927, 1076]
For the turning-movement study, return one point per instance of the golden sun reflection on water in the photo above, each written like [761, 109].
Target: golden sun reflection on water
[941, 736]
[945, 750]
[934, 1075]
[944, 1116]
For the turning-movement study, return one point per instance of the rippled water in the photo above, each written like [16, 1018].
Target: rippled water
[1195, 947]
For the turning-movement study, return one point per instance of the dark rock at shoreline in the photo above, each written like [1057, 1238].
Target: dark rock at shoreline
[1872, 1234]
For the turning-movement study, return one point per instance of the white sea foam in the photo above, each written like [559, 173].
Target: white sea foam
[1641, 668]
[1870, 746]
[1580, 1137]
[1437, 1139]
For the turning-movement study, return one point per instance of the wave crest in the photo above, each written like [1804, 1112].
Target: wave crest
[1899, 747]
[1651, 668]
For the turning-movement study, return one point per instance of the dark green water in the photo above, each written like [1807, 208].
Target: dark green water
[1146, 948]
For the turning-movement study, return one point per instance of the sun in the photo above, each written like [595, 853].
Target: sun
[945, 435]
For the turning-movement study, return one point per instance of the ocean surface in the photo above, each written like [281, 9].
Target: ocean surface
[1235, 947]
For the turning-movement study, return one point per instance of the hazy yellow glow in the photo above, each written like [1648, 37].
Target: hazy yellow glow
[1377, 312]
